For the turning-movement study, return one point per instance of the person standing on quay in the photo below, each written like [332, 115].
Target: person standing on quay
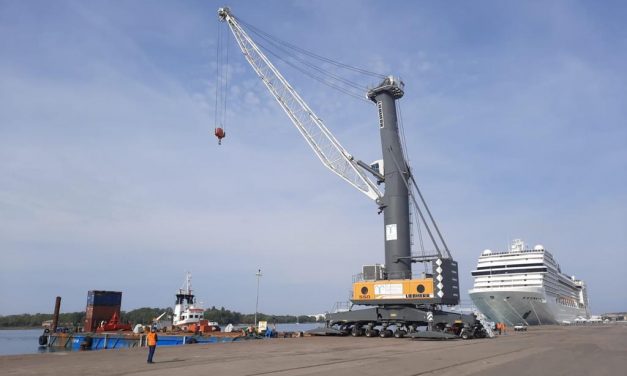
[151, 340]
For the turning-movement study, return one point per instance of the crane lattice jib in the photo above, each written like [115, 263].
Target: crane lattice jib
[321, 140]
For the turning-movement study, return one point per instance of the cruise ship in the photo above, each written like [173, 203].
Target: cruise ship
[527, 286]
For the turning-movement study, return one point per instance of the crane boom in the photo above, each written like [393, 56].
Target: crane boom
[311, 127]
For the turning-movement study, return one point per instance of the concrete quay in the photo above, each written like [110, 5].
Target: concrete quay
[592, 350]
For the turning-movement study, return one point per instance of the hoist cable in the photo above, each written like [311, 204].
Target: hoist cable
[314, 55]
[312, 66]
[404, 148]
[402, 128]
[313, 76]
[226, 79]
[218, 63]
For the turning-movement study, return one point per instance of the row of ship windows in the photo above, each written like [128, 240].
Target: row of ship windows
[557, 291]
[509, 285]
[513, 278]
[190, 317]
[510, 282]
[549, 280]
[560, 292]
[550, 287]
[509, 266]
[566, 302]
[532, 298]
[512, 271]
[519, 277]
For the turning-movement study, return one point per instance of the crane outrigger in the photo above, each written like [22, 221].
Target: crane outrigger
[395, 299]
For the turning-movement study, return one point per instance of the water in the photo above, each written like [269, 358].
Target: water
[296, 327]
[16, 342]
[13, 342]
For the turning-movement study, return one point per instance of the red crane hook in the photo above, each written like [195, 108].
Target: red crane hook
[220, 134]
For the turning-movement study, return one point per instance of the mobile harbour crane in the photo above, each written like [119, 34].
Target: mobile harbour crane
[395, 299]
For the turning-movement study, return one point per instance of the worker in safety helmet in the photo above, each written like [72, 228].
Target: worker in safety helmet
[151, 340]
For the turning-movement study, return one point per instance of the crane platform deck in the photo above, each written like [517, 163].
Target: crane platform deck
[594, 350]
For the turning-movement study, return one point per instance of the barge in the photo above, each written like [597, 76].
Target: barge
[106, 341]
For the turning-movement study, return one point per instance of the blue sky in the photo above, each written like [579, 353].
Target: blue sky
[110, 177]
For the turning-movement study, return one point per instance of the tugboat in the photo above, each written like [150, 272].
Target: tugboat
[189, 315]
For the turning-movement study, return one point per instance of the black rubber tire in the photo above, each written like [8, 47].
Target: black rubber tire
[356, 331]
[465, 335]
[399, 333]
[43, 340]
[369, 332]
[87, 343]
[386, 333]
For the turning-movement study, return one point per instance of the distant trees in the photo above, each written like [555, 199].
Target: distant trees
[145, 315]
[27, 320]
[224, 316]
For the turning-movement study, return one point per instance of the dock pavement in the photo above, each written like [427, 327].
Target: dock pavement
[550, 350]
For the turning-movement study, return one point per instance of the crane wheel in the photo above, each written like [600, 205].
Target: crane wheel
[356, 331]
[372, 332]
[399, 333]
[385, 333]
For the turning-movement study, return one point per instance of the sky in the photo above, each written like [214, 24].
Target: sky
[111, 178]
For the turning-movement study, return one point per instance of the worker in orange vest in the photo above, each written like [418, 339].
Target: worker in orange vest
[151, 340]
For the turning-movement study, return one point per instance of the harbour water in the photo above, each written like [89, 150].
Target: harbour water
[15, 342]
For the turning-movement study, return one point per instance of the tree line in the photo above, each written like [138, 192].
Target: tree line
[145, 315]
[224, 316]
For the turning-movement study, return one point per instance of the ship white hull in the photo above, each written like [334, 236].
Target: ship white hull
[530, 305]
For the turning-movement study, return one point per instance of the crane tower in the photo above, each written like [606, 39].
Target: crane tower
[395, 201]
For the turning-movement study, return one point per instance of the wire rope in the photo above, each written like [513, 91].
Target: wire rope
[226, 80]
[404, 148]
[402, 128]
[328, 78]
[313, 76]
[312, 66]
[218, 66]
[312, 54]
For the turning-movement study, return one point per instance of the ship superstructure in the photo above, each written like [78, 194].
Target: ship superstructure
[186, 310]
[527, 286]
